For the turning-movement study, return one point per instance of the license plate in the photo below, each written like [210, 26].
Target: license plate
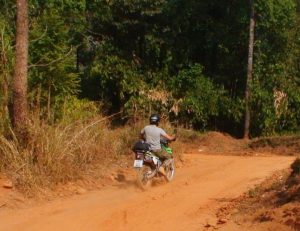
[138, 163]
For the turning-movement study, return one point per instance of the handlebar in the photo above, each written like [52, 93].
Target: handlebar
[165, 141]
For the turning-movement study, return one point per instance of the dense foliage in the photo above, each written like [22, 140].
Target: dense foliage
[184, 59]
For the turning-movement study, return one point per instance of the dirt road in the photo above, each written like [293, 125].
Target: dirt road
[184, 204]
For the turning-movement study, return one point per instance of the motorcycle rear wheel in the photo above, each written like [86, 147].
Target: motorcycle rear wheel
[143, 179]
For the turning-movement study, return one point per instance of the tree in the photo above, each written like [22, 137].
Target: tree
[20, 117]
[275, 68]
[119, 52]
[249, 70]
[56, 31]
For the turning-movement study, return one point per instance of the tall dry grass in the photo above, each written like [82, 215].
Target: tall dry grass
[60, 153]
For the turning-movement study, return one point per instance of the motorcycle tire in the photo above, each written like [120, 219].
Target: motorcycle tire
[143, 180]
[170, 170]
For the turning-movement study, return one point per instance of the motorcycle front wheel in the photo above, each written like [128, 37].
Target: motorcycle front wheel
[170, 170]
[143, 179]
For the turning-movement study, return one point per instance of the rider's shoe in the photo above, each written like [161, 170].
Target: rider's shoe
[162, 169]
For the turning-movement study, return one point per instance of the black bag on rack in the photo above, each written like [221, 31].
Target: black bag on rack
[141, 146]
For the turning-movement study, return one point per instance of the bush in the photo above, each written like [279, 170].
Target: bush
[202, 101]
[77, 109]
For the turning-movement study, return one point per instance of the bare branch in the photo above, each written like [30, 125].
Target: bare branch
[39, 38]
[87, 127]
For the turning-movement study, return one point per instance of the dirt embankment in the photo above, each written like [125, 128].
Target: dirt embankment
[286, 145]
[271, 205]
[222, 143]
[216, 142]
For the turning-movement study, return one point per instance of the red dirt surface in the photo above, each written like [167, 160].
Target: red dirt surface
[207, 193]
[190, 202]
[272, 205]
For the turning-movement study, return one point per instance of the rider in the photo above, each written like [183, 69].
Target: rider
[152, 135]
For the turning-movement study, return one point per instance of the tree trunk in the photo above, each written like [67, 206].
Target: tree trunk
[20, 114]
[249, 70]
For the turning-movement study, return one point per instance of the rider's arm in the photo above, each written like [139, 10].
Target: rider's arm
[171, 138]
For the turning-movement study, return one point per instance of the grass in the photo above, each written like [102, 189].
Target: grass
[60, 153]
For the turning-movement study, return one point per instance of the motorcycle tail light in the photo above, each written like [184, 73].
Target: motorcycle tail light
[139, 155]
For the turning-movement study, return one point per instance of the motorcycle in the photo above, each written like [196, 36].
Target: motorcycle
[148, 165]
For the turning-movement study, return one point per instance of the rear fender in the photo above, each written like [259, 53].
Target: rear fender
[139, 156]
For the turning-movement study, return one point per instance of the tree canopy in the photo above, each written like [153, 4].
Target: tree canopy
[184, 59]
